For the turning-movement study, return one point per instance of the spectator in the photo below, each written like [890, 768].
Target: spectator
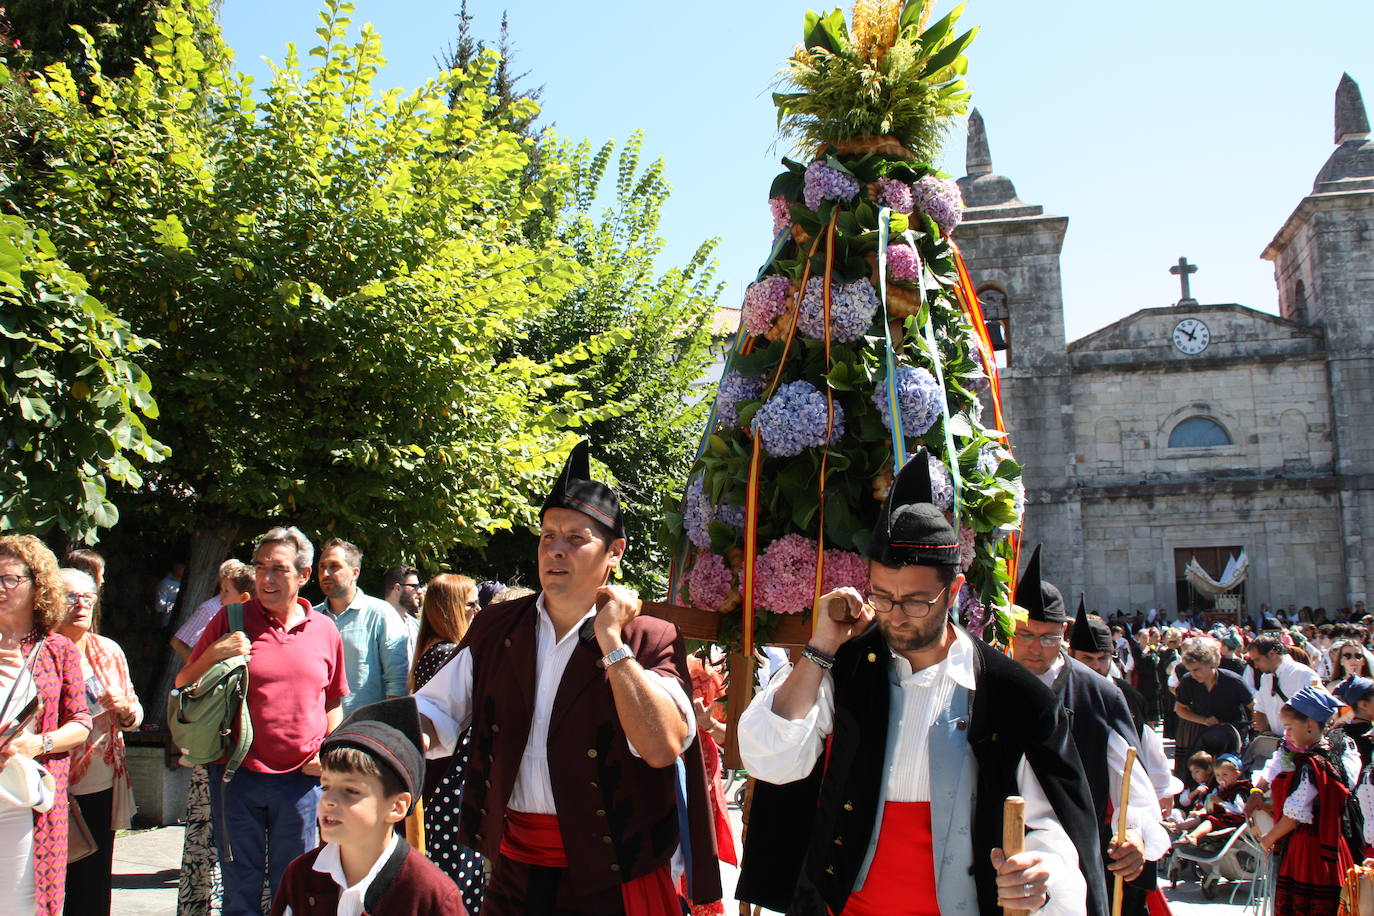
[401, 589]
[1279, 678]
[235, 587]
[1208, 696]
[165, 597]
[1230, 661]
[1347, 659]
[374, 640]
[99, 776]
[93, 565]
[448, 605]
[296, 681]
[33, 844]
[487, 592]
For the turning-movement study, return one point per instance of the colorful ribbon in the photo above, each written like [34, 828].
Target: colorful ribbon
[894, 403]
[829, 420]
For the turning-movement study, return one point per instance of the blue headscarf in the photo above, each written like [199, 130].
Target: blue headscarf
[1317, 705]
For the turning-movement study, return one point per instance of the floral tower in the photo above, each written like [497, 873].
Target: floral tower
[861, 344]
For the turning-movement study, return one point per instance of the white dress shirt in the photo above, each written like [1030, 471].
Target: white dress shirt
[350, 898]
[1143, 813]
[779, 750]
[446, 700]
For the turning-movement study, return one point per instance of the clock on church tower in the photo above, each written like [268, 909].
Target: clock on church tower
[1192, 336]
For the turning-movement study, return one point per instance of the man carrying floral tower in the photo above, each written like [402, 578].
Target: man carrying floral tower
[579, 709]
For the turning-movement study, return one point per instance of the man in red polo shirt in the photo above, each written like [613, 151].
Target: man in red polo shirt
[296, 678]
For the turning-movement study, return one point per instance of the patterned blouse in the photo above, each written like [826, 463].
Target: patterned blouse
[62, 694]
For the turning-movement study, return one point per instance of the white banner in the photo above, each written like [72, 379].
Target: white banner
[1236, 570]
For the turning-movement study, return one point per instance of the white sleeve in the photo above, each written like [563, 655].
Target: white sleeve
[1156, 764]
[1352, 763]
[446, 701]
[1143, 814]
[1173, 678]
[1365, 793]
[1298, 805]
[1273, 766]
[779, 750]
[673, 688]
[1067, 887]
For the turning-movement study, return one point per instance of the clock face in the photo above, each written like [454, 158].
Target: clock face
[1191, 336]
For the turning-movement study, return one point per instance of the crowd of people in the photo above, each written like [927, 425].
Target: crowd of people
[456, 747]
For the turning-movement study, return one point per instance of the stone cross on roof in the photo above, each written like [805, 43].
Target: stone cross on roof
[1181, 270]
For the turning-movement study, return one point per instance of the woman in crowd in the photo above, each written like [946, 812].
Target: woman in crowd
[1208, 696]
[1349, 659]
[449, 603]
[33, 844]
[99, 776]
[1166, 660]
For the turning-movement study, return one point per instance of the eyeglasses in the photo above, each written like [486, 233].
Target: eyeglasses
[12, 582]
[410, 585]
[1049, 641]
[75, 598]
[911, 607]
[1350, 658]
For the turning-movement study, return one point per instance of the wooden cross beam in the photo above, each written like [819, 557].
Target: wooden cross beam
[792, 632]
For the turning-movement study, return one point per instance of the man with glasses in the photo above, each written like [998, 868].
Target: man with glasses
[884, 757]
[1102, 731]
[401, 588]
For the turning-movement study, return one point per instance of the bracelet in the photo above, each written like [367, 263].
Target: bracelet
[1256, 791]
[818, 658]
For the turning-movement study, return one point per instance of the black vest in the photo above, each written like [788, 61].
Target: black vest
[808, 839]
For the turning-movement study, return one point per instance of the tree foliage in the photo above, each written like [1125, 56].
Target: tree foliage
[336, 276]
[39, 33]
[74, 396]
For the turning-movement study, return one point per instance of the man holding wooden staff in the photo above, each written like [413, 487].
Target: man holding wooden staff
[884, 757]
[1103, 732]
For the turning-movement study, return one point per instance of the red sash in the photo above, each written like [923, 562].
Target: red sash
[534, 839]
[901, 879]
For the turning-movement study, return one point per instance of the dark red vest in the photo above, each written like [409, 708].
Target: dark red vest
[407, 884]
[618, 815]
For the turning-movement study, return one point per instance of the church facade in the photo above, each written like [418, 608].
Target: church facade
[1194, 431]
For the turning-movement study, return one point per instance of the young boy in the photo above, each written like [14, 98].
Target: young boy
[373, 770]
[1225, 806]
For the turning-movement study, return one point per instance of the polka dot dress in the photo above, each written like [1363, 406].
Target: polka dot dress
[461, 864]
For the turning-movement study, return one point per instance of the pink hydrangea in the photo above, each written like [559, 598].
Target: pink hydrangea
[895, 194]
[941, 200]
[709, 582]
[903, 263]
[764, 302]
[782, 213]
[967, 547]
[785, 575]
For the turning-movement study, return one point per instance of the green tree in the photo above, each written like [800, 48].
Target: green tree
[610, 221]
[74, 395]
[39, 32]
[335, 275]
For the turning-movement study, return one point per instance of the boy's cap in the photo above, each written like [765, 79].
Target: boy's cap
[1229, 758]
[389, 732]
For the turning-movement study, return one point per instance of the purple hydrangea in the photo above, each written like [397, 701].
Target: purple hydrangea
[918, 395]
[824, 183]
[764, 301]
[782, 213]
[895, 194]
[734, 390]
[794, 419]
[939, 198]
[903, 263]
[941, 484]
[971, 611]
[700, 513]
[852, 307]
[990, 457]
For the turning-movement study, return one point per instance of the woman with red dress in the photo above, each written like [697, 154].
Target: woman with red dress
[708, 687]
[1309, 798]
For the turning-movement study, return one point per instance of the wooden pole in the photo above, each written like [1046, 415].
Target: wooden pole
[738, 695]
[1014, 834]
[1118, 885]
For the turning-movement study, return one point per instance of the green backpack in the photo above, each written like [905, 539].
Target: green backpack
[201, 716]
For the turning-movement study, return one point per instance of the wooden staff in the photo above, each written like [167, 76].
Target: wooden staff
[1118, 885]
[1014, 834]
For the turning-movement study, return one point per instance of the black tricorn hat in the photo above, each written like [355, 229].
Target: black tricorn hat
[389, 732]
[1089, 634]
[1040, 599]
[910, 530]
[574, 489]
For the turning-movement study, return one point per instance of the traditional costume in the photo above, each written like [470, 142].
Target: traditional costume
[401, 881]
[1309, 788]
[1102, 732]
[887, 797]
[556, 797]
[1225, 808]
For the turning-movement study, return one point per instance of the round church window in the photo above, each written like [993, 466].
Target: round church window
[1198, 432]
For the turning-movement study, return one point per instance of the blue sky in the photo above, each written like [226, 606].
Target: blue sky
[1160, 130]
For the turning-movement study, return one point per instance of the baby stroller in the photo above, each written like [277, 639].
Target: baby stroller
[1234, 854]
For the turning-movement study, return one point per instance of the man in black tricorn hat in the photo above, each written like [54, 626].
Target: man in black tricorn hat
[884, 757]
[1102, 731]
[579, 710]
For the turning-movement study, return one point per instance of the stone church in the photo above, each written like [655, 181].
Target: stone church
[1196, 430]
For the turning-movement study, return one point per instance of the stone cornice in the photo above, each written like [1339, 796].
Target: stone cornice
[1335, 200]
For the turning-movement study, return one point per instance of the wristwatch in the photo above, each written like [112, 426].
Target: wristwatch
[617, 655]
[47, 743]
